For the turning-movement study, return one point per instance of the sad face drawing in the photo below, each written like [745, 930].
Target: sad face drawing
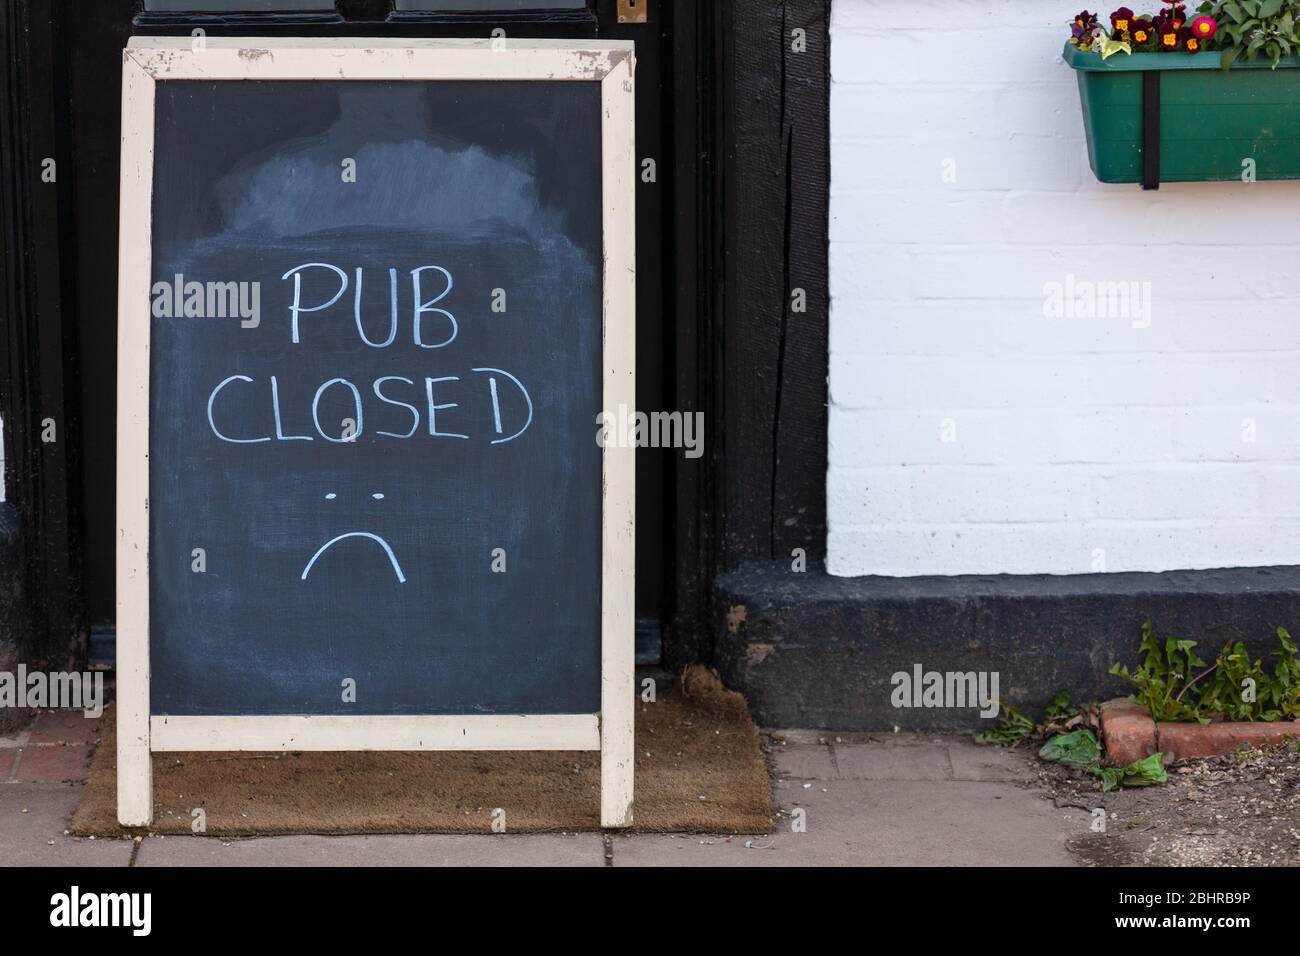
[363, 535]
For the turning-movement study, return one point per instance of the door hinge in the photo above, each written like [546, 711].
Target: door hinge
[633, 11]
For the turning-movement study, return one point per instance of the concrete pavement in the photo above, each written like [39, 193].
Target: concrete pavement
[851, 799]
[885, 800]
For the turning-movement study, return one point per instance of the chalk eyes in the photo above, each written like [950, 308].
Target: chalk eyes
[377, 496]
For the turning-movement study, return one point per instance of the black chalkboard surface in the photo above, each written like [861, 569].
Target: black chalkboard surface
[383, 468]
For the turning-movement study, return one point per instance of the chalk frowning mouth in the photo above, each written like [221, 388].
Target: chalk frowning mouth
[388, 550]
[397, 568]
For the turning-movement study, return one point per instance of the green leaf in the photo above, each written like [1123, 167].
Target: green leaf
[1145, 772]
[1011, 729]
[1060, 705]
[1284, 636]
[1111, 47]
[1078, 748]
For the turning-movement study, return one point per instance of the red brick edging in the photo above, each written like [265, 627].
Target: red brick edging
[1130, 734]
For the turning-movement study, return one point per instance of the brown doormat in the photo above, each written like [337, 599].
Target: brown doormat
[699, 768]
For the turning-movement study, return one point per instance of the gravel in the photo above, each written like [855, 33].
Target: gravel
[1241, 810]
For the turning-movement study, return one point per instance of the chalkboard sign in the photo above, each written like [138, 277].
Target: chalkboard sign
[374, 297]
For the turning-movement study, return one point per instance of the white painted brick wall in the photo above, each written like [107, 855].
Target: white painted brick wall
[1076, 445]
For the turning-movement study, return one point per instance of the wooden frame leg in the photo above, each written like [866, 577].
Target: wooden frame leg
[618, 663]
[134, 766]
[617, 751]
[134, 770]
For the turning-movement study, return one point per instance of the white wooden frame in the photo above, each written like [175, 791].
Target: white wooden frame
[148, 60]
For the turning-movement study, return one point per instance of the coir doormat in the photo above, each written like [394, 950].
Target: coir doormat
[699, 768]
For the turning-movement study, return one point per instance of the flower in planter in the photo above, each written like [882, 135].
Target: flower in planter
[1083, 29]
[1168, 33]
[1205, 27]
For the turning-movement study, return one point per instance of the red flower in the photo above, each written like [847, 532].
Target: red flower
[1120, 20]
[1169, 35]
[1175, 13]
[1189, 41]
[1142, 32]
[1205, 27]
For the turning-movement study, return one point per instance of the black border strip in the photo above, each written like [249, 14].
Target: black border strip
[1151, 129]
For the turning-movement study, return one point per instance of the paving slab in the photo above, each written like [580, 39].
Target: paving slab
[523, 849]
[972, 761]
[803, 761]
[689, 849]
[17, 738]
[797, 736]
[884, 823]
[33, 818]
[930, 823]
[65, 726]
[52, 763]
[888, 761]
